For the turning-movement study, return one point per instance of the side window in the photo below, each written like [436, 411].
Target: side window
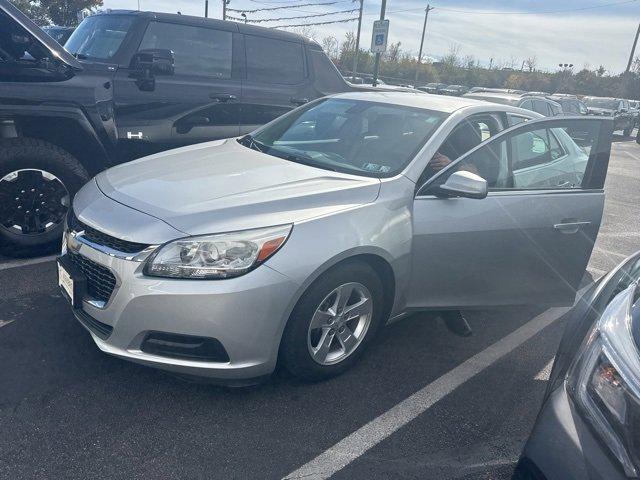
[543, 158]
[274, 61]
[541, 107]
[467, 135]
[527, 104]
[197, 51]
[516, 119]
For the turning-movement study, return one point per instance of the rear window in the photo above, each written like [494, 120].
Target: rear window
[274, 61]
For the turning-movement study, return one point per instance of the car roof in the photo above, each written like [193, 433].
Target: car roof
[439, 103]
[212, 22]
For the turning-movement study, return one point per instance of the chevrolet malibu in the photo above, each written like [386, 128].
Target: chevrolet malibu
[296, 243]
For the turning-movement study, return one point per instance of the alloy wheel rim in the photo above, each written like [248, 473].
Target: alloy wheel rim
[32, 201]
[340, 323]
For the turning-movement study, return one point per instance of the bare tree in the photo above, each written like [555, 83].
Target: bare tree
[452, 59]
[531, 63]
[331, 46]
[393, 53]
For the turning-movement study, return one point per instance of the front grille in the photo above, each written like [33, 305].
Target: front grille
[99, 238]
[100, 280]
[101, 330]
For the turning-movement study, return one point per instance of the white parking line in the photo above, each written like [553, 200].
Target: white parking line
[25, 262]
[4, 323]
[545, 373]
[356, 444]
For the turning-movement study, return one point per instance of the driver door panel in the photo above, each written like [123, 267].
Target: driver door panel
[527, 242]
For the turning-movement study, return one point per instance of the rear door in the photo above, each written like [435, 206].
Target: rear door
[196, 104]
[529, 240]
[277, 80]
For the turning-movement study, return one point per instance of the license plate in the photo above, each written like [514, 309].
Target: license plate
[65, 282]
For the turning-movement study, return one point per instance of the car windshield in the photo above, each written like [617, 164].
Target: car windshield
[99, 37]
[351, 136]
[601, 103]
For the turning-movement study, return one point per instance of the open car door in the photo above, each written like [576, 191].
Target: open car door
[530, 239]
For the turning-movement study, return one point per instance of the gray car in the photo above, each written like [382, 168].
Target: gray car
[296, 243]
[589, 424]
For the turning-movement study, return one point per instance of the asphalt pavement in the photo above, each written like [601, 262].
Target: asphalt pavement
[423, 403]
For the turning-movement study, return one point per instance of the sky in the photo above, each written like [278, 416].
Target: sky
[554, 32]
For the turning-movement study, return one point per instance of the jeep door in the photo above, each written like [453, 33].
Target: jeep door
[196, 103]
[277, 80]
[527, 242]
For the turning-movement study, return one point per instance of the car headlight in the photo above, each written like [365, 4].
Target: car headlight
[604, 380]
[216, 256]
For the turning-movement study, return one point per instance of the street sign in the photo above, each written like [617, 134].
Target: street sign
[379, 36]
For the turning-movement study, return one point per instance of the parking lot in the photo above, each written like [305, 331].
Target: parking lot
[423, 403]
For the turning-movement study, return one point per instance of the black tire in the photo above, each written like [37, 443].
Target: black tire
[294, 353]
[627, 131]
[29, 153]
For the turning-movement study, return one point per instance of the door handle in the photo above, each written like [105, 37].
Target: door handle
[570, 227]
[223, 97]
[298, 101]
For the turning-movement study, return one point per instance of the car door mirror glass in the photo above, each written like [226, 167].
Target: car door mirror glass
[463, 184]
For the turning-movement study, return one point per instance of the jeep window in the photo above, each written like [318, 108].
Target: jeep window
[99, 37]
[274, 61]
[327, 77]
[353, 136]
[197, 51]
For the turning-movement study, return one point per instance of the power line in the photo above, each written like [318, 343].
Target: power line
[540, 12]
[260, 20]
[280, 8]
[317, 23]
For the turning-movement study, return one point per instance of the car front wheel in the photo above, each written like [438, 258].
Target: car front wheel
[37, 182]
[334, 322]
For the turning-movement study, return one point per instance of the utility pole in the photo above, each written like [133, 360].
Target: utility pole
[424, 29]
[376, 66]
[224, 9]
[357, 52]
[206, 8]
[633, 50]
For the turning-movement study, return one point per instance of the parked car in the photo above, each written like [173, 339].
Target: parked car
[570, 104]
[432, 87]
[590, 419]
[634, 108]
[59, 34]
[617, 108]
[541, 105]
[297, 242]
[131, 84]
[454, 90]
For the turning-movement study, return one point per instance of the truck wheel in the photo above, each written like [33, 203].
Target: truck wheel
[37, 182]
[333, 322]
[627, 131]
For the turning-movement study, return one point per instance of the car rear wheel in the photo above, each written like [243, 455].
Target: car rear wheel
[333, 322]
[37, 182]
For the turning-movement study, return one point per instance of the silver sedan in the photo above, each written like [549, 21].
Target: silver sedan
[296, 243]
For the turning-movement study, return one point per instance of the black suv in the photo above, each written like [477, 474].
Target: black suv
[129, 84]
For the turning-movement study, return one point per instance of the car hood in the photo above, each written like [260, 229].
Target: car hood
[223, 186]
[18, 34]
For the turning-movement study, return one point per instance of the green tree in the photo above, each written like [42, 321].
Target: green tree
[58, 12]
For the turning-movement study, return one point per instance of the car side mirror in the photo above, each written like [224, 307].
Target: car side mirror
[156, 61]
[463, 184]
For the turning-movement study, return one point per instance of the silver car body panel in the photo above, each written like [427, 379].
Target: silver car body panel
[443, 252]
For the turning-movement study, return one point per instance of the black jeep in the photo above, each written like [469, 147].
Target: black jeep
[129, 84]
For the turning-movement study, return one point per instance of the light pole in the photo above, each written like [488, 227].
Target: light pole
[357, 52]
[633, 50]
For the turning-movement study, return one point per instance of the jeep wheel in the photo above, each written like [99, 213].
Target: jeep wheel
[37, 182]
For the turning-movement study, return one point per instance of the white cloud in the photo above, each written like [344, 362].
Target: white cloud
[581, 39]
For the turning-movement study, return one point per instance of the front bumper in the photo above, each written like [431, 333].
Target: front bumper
[246, 315]
[563, 447]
